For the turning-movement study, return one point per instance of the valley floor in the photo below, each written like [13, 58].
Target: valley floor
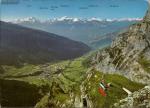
[62, 84]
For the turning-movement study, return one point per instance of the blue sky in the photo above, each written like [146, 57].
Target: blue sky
[47, 9]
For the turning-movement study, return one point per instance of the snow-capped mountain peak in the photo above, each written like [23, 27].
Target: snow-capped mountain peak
[95, 19]
[28, 19]
[72, 20]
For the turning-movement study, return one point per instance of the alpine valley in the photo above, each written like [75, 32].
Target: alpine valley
[95, 32]
[72, 79]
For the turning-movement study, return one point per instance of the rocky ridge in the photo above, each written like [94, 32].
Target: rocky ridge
[139, 99]
[129, 54]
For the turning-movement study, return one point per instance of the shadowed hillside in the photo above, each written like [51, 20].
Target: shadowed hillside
[23, 45]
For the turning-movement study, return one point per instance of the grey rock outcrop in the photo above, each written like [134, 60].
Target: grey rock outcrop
[125, 53]
[139, 99]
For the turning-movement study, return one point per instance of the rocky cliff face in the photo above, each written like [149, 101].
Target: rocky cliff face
[139, 99]
[129, 54]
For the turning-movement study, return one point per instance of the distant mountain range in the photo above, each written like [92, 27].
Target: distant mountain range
[24, 45]
[85, 30]
[73, 20]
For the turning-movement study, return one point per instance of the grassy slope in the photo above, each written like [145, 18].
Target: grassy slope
[144, 63]
[72, 75]
[114, 93]
[20, 93]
